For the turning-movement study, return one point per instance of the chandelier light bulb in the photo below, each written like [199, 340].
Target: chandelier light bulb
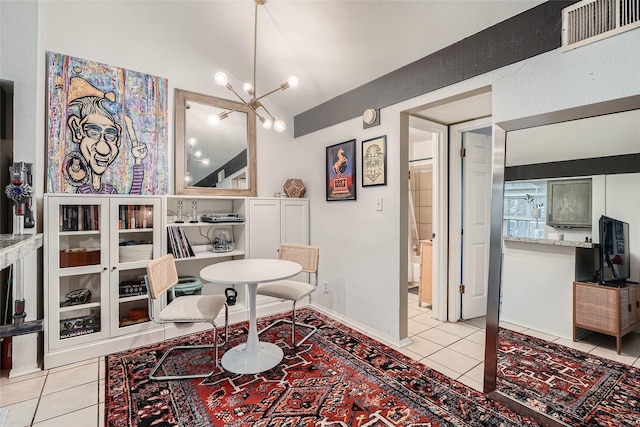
[221, 78]
[293, 81]
[192, 141]
[247, 87]
[266, 123]
[279, 126]
[205, 162]
[214, 120]
[198, 153]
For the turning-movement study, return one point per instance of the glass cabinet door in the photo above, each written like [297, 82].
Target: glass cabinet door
[80, 306]
[136, 227]
[78, 259]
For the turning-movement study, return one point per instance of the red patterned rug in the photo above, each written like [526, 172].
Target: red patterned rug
[566, 384]
[338, 377]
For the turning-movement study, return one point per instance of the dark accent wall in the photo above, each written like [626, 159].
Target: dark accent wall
[611, 165]
[531, 33]
[231, 167]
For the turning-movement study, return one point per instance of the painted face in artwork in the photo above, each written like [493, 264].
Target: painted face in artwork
[100, 142]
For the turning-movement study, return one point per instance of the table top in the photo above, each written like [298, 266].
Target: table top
[250, 271]
[15, 246]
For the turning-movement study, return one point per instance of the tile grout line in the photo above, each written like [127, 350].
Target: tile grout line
[35, 411]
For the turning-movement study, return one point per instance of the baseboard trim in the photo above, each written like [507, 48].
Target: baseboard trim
[385, 339]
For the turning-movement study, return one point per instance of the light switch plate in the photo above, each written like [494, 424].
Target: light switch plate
[379, 203]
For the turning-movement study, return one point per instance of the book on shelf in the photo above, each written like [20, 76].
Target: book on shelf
[135, 216]
[179, 243]
[79, 218]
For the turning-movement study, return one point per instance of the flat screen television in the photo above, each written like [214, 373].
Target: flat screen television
[615, 260]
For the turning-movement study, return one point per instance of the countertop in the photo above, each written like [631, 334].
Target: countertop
[15, 246]
[549, 242]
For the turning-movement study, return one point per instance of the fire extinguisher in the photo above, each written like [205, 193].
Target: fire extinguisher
[6, 353]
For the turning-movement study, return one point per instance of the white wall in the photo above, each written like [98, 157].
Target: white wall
[19, 63]
[361, 249]
[365, 278]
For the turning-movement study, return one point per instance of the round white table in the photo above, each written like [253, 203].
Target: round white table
[254, 356]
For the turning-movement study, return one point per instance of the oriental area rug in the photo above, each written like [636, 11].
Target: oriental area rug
[338, 377]
[568, 385]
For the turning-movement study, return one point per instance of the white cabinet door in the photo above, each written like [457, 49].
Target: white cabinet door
[135, 234]
[273, 221]
[264, 228]
[77, 261]
[294, 221]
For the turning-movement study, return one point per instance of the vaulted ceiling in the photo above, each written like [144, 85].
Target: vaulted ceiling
[332, 46]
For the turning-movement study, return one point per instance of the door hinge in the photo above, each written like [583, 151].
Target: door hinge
[461, 288]
[463, 152]
[461, 231]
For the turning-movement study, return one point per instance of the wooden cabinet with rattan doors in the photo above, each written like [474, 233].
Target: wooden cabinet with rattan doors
[606, 309]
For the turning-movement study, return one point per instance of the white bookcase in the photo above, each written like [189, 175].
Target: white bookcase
[201, 236]
[97, 249]
[86, 314]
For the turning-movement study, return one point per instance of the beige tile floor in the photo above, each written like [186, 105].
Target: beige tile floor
[73, 395]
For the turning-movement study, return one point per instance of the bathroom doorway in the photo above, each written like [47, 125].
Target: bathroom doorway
[421, 138]
[434, 123]
[427, 197]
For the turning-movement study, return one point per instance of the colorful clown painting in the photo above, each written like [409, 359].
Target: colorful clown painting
[107, 129]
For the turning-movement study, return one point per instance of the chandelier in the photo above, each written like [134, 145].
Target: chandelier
[195, 156]
[267, 119]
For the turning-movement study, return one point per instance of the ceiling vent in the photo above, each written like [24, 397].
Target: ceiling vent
[591, 20]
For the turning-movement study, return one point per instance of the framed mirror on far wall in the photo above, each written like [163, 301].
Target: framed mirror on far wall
[214, 156]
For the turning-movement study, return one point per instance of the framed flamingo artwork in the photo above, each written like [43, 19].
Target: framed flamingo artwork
[341, 166]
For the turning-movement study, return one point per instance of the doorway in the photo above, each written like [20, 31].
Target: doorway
[427, 212]
[442, 117]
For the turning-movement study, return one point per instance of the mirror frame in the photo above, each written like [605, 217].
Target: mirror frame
[181, 99]
[500, 131]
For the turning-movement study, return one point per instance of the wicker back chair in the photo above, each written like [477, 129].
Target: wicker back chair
[294, 290]
[161, 276]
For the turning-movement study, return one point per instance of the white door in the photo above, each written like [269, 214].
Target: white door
[476, 223]
[469, 283]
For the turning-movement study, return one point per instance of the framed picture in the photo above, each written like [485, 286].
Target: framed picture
[374, 161]
[341, 165]
[569, 203]
[126, 110]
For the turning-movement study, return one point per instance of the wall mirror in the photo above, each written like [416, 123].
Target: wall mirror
[598, 142]
[214, 157]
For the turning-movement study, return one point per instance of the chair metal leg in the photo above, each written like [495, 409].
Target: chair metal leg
[293, 327]
[214, 346]
[181, 377]
[226, 328]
